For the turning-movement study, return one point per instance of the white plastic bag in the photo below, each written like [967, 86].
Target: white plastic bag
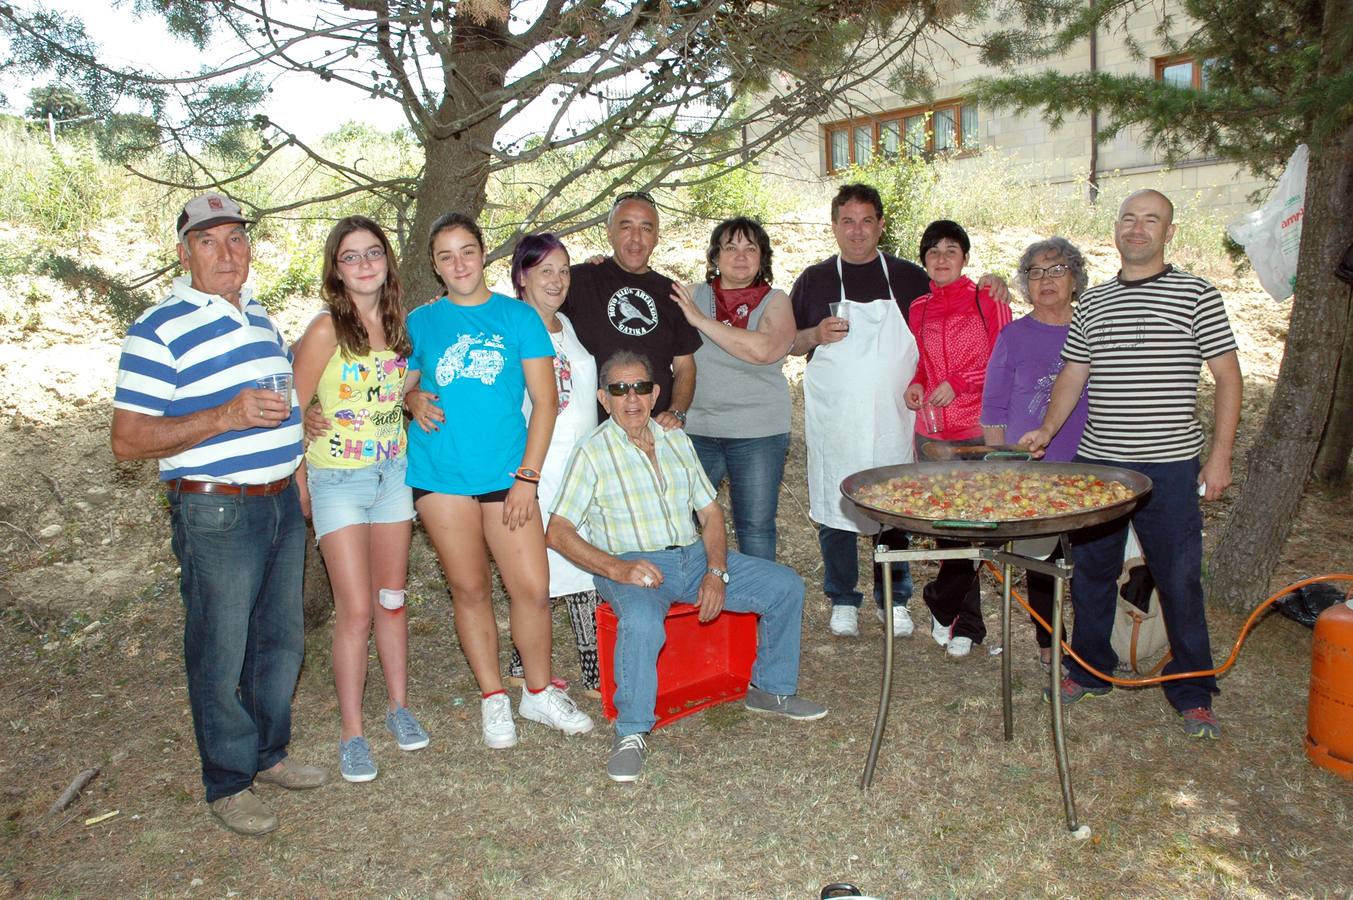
[1271, 235]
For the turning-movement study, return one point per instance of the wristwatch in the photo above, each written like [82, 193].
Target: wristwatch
[680, 416]
[717, 573]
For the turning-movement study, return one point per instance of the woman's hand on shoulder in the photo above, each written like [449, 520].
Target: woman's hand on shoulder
[995, 287]
[684, 297]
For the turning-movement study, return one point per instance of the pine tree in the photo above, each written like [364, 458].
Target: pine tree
[657, 83]
[1279, 73]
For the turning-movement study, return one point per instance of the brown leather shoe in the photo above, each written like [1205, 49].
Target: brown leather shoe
[243, 813]
[292, 775]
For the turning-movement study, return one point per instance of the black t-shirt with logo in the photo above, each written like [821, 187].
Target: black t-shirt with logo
[612, 309]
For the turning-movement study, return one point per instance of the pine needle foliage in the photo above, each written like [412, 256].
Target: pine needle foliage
[1263, 91]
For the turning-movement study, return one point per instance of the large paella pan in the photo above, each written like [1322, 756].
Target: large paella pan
[871, 489]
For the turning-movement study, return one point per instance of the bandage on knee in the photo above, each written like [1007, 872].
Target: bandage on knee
[391, 599]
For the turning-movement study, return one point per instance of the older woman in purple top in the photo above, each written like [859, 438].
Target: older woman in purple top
[1024, 364]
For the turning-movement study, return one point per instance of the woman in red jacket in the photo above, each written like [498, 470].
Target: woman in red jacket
[955, 327]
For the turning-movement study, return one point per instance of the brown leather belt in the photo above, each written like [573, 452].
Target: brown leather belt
[187, 486]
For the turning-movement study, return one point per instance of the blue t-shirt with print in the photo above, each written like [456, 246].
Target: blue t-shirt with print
[470, 357]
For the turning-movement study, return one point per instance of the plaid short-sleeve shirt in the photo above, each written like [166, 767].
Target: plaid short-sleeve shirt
[611, 487]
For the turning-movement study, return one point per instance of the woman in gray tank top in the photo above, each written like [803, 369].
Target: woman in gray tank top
[739, 421]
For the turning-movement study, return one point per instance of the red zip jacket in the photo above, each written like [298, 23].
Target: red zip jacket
[955, 329]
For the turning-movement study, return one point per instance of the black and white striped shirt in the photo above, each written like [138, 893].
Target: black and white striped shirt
[1145, 342]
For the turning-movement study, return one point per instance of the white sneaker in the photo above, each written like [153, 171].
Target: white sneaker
[500, 732]
[959, 647]
[845, 621]
[903, 626]
[554, 708]
[940, 633]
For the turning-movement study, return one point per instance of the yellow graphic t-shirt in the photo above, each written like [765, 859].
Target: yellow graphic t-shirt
[361, 396]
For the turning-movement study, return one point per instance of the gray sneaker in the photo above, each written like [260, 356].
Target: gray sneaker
[791, 706]
[627, 757]
[354, 760]
[409, 735]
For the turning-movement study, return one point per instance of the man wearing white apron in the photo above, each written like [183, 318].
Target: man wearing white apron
[860, 362]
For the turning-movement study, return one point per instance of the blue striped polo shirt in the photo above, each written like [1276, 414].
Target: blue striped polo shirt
[196, 351]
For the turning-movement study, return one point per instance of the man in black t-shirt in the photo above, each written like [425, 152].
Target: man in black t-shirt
[622, 304]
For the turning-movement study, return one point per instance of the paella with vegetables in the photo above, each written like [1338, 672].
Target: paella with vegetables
[995, 496]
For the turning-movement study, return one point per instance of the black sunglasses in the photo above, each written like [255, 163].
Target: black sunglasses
[635, 195]
[621, 388]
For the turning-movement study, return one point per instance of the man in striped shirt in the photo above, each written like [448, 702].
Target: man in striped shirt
[635, 484]
[203, 386]
[1140, 341]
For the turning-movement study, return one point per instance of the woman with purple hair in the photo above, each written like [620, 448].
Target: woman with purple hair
[540, 278]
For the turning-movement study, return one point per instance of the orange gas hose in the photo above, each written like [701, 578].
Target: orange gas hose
[1176, 676]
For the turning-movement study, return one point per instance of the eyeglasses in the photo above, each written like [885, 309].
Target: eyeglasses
[635, 195]
[375, 254]
[621, 388]
[1037, 272]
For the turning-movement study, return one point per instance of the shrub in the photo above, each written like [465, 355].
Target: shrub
[907, 186]
[288, 265]
[733, 190]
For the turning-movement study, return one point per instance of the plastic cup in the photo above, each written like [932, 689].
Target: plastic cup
[836, 309]
[930, 418]
[278, 384]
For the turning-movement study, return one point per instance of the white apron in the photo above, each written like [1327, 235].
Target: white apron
[854, 413]
[575, 377]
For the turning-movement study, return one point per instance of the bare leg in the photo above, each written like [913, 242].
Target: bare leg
[453, 525]
[526, 576]
[389, 571]
[346, 555]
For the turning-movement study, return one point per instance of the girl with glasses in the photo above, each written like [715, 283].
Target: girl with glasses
[354, 357]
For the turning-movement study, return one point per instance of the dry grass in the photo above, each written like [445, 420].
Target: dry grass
[730, 804]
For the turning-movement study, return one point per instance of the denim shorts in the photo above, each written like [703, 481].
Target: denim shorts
[371, 495]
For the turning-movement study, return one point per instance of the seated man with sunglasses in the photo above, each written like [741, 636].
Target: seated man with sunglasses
[634, 485]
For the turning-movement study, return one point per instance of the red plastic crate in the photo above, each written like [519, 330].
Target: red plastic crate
[701, 665]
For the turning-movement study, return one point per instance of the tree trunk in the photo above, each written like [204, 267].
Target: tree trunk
[317, 597]
[1250, 546]
[455, 179]
[1331, 460]
[456, 163]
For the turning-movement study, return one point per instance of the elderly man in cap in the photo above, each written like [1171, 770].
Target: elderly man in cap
[204, 386]
[634, 484]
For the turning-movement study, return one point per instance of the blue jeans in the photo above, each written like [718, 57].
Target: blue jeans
[841, 566]
[243, 637]
[1169, 526]
[755, 467]
[772, 591]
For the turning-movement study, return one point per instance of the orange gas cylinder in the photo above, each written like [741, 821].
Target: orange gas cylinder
[1329, 720]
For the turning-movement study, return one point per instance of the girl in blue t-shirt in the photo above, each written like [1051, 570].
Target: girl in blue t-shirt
[474, 465]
